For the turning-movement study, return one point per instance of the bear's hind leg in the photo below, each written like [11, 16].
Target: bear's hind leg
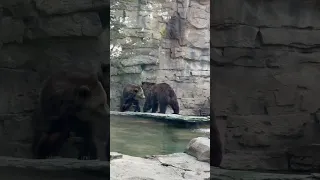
[137, 106]
[59, 138]
[175, 107]
[50, 145]
[41, 149]
[146, 107]
[154, 108]
[87, 148]
[125, 107]
[163, 108]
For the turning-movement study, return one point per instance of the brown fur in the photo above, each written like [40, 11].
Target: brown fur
[159, 95]
[130, 95]
[72, 99]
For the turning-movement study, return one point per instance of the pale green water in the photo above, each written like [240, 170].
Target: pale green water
[140, 137]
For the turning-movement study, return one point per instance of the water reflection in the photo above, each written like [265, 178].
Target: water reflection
[141, 137]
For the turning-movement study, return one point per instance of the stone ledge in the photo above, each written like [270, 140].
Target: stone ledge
[223, 174]
[171, 117]
[58, 164]
[177, 166]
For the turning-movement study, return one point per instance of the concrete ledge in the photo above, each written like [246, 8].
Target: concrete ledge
[223, 174]
[58, 164]
[171, 117]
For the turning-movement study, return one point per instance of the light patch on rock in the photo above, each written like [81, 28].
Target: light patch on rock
[178, 166]
[199, 148]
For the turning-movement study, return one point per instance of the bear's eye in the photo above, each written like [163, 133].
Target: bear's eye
[136, 90]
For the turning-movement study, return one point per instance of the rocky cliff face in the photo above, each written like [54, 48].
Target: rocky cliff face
[162, 41]
[265, 68]
[36, 38]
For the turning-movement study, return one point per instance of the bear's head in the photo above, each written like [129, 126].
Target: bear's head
[138, 91]
[92, 102]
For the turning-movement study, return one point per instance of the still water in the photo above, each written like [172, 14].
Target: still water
[140, 137]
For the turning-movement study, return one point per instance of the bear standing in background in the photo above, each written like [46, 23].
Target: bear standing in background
[71, 101]
[159, 95]
[131, 95]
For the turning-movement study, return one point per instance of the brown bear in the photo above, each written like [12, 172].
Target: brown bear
[215, 141]
[71, 101]
[159, 95]
[131, 94]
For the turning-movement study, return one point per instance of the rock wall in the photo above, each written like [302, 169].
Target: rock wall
[265, 70]
[162, 41]
[36, 38]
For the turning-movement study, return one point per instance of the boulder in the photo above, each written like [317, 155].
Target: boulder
[199, 148]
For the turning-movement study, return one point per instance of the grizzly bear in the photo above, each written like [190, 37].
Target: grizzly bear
[159, 95]
[131, 95]
[215, 141]
[71, 101]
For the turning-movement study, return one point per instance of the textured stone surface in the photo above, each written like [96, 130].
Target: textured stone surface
[199, 148]
[11, 30]
[238, 36]
[265, 66]
[36, 39]
[163, 42]
[173, 166]
[68, 6]
[82, 24]
[222, 174]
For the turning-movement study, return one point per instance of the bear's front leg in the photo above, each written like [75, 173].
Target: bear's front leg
[137, 106]
[87, 147]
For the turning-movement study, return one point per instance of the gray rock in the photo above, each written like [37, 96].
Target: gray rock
[174, 166]
[292, 37]
[223, 174]
[18, 8]
[255, 160]
[115, 155]
[11, 30]
[171, 43]
[234, 36]
[199, 148]
[79, 24]
[139, 60]
[23, 93]
[131, 70]
[266, 13]
[67, 6]
[198, 38]
[197, 16]
[270, 130]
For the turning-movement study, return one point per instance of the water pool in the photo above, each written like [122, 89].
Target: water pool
[137, 136]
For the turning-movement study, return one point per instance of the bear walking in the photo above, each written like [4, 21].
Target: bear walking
[72, 100]
[159, 95]
[131, 95]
